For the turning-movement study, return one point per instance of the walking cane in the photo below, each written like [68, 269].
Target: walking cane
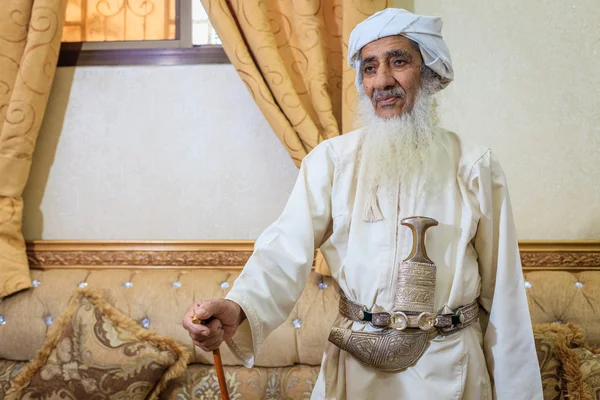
[218, 364]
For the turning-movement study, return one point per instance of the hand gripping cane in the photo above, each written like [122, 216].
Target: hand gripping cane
[218, 364]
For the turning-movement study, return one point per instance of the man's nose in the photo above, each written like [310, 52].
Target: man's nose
[384, 79]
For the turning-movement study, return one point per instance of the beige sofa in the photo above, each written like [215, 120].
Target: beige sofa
[157, 295]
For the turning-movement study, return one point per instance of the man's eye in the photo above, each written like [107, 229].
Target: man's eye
[369, 69]
[399, 62]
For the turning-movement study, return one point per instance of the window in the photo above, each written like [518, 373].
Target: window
[202, 30]
[119, 20]
[126, 32]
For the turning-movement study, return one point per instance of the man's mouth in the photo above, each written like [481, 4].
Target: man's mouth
[383, 101]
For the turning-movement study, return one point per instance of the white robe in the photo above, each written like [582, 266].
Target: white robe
[474, 248]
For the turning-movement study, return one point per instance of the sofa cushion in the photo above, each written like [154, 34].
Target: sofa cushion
[8, 369]
[560, 296]
[547, 338]
[162, 296]
[94, 348]
[570, 369]
[589, 365]
[200, 382]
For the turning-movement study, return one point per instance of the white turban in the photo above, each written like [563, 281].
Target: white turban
[426, 31]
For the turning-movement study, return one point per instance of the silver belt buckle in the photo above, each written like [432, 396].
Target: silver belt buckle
[426, 321]
[398, 320]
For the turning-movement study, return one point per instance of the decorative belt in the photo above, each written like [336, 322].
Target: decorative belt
[444, 323]
[404, 337]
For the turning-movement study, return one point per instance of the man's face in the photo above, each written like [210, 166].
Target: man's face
[391, 69]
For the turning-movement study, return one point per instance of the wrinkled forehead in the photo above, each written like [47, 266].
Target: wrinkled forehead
[390, 46]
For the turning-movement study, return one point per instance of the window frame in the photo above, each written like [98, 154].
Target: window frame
[178, 51]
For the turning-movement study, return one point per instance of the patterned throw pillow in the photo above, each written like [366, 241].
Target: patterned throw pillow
[558, 364]
[570, 368]
[95, 351]
[550, 366]
[273, 383]
[589, 365]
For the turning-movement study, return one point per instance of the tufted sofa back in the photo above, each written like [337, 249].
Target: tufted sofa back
[158, 298]
[566, 297]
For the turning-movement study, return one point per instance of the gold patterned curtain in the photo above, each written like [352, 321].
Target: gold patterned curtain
[291, 54]
[30, 33]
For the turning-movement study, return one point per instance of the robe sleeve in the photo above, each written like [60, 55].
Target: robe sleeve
[508, 342]
[278, 270]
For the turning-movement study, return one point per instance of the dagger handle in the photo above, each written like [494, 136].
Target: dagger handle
[418, 226]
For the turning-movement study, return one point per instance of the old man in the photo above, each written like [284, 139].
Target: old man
[471, 336]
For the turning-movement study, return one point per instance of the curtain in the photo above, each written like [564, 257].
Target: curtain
[291, 55]
[30, 33]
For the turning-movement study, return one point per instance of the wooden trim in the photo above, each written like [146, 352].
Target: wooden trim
[136, 267]
[559, 245]
[143, 254]
[138, 245]
[74, 55]
[572, 256]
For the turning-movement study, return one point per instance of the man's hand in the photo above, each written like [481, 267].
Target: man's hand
[221, 320]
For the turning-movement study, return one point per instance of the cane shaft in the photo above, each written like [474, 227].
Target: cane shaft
[218, 363]
[220, 374]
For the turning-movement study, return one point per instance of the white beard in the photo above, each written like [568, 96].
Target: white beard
[397, 150]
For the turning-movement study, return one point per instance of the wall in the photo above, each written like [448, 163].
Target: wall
[154, 153]
[527, 85]
[184, 153]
